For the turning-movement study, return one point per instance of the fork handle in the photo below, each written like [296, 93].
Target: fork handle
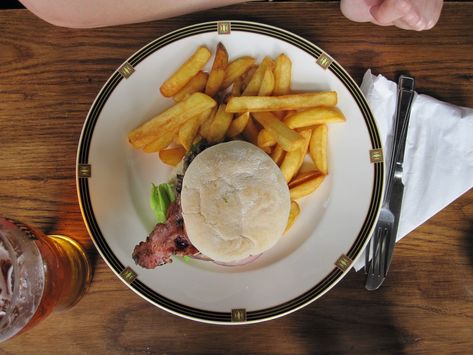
[405, 97]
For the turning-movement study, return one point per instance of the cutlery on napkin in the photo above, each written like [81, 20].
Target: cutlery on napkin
[438, 162]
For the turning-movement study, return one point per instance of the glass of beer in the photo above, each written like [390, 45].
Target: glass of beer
[39, 274]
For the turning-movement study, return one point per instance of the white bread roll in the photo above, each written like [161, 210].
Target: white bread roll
[235, 201]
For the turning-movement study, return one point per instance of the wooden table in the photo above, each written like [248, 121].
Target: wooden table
[48, 79]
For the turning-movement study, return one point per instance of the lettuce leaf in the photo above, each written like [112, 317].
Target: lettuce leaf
[160, 199]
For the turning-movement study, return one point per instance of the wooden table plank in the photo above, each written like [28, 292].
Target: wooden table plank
[48, 79]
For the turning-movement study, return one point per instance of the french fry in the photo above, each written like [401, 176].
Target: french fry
[281, 103]
[303, 177]
[236, 69]
[307, 134]
[250, 133]
[278, 154]
[160, 142]
[293, 160]
[306, 188]
[171, 119]
[226, 97]
[236, 87]
[318, 148]
[293, 214]
[286, 126]
[254, 84]
[217, 73]
[238, 125]
[287, 114]
[196, 84]
[280, 114]
[188, 131]
[314, 116]
[185, 72]
[219, 126]
[282, 75]
[267, 85]
[235, 91]
[267, 150]
[284, 114]
[247, 76]
[265, 139]
[172, 156]
[205, 126]
[289, 139]
[290, 164]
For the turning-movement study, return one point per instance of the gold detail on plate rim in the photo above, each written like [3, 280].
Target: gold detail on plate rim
[343, 262]
[128, 275]
[224, 28]
[239, 315]
[85, 170]
[376, 155]
[126, 70]
[324, 60]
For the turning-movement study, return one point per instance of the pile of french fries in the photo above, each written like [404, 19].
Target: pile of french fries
[241, 99]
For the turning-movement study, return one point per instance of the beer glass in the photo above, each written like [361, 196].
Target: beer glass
[39, 274]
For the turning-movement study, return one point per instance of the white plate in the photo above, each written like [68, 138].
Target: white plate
[113, 183]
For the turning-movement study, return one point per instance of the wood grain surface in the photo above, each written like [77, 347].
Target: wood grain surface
[49, 77]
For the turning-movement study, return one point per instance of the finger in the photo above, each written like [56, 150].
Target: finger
[358, 10]
[402, 24]
[390, 10]
[410, 25]
[415, 20]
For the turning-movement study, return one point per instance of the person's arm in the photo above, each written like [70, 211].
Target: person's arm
[415, 15]
[407, 14]
[101, 13]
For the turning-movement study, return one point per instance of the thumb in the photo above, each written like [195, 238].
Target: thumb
[390, 10]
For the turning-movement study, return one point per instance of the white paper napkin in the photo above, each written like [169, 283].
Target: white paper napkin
[438, 162]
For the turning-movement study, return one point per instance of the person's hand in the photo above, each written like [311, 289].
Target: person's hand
[415, 15]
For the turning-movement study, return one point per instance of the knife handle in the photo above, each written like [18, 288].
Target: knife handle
[406, 95]
[404, 100]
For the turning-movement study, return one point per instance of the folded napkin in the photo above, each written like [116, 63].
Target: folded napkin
[438, 161]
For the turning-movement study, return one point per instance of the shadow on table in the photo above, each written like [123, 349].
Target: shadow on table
[348, 319]
[468, 242]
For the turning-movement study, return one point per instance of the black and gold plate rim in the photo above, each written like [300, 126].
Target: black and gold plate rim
[205, 315]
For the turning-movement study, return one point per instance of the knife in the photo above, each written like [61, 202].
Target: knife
[384, 238]
[405, 96]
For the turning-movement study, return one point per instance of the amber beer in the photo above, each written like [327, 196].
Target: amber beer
[57, 270]
[68, 274]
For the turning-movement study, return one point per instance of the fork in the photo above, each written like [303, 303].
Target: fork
[381, 240]
[384, 237]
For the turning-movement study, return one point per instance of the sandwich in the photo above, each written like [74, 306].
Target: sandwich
[229, 204]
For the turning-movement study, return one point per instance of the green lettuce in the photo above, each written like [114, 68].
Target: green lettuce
[161, 197]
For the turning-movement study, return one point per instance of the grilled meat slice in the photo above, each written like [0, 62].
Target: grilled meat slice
[165, 240]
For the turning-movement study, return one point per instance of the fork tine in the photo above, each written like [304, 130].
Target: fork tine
[373, 252]
[374, 265]
[374, 241]
[382, 261]
[386, 259]
[377, 251]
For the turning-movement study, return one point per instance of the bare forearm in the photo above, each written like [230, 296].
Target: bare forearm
[100, 13]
